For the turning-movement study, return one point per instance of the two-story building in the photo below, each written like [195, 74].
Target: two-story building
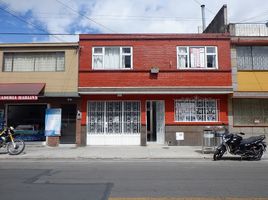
[37, 76]
[138, 89]
[248, 107]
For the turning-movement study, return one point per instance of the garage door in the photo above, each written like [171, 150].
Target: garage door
[113, 123]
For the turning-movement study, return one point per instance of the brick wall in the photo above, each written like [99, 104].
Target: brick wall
[152, 52]
[169, 106]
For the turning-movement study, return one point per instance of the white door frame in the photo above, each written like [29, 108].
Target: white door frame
[162, 139]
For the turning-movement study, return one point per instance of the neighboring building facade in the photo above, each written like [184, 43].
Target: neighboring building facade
[159, 88]
[35, 77]
[248, 107]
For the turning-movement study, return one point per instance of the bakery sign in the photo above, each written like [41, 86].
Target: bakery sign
[19, 98]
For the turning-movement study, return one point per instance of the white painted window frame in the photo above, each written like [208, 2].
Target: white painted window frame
[176, 109]
[105, 116]
[189, 60]
[121, 57]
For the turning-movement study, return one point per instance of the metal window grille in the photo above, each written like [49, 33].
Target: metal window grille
[250, 112]
[252, 57]
[114, 117]
[196, 110]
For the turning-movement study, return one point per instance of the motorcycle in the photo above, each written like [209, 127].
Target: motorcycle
[251, 148]
[8, 140]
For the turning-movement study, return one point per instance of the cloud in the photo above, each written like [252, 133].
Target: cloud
[127, 16]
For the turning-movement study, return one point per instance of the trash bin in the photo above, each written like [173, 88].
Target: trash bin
[208, 144]
[218, 138]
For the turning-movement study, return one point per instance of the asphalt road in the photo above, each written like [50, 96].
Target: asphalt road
[100, 180]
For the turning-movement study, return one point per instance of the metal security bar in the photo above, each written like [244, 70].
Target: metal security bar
[113, 117]
[196, 110]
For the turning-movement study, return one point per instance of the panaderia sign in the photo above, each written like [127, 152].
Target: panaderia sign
[19, 98]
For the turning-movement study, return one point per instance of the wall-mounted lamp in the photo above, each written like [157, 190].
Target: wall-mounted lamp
[154, 70]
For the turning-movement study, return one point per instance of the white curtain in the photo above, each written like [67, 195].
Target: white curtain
[98, 61]
[112, 58]
[8, 62]
[197, 56]
[45, 62]
[23, 62]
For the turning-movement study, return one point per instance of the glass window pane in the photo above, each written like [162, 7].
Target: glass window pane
[98, 50]
[112, 58]
[244, 58]
[183, 63]
[182, 50]
[126, 62]
[211, 61]
[45, 62]
[8, 62]
[126, 50]
[23, 62]
[97, 62]
[211, 50]
[200, 110]
[260, 57]
[197, 57]
[60, 61]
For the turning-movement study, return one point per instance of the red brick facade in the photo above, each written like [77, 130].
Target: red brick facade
[157, 51]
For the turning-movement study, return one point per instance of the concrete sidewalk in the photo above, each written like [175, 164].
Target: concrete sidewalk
[112, 152]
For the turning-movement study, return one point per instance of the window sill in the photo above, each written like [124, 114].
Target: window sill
[197, 123]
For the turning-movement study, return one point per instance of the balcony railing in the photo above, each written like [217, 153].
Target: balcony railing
[249, 29]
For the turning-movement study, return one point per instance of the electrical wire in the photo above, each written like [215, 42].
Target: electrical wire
[13, 13]
[213, 13]
[20, 33]
[82, 15]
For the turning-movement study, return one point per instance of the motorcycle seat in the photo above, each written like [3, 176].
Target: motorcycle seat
[252, 139]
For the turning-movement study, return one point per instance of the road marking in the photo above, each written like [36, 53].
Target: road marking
[190, 198]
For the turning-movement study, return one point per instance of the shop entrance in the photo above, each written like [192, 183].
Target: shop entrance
[28, 120]
[155, 118]
[68, 124]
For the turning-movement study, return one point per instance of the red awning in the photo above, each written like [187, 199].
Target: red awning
[19, 89]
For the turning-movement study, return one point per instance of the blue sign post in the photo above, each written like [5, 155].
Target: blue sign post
[53, 122]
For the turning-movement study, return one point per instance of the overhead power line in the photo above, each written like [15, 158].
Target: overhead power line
[82, 15]
[13, 13]
[20, 33]
[205, 7]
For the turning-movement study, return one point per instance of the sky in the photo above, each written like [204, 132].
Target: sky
[21, 18]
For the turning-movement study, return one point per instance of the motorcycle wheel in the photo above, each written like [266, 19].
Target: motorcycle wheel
[219, 153]
[259, 154]
[16, 148]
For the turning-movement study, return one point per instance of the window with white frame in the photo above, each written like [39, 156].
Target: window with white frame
[201, 57]
[33, 61]
[112, 57]
[196, 110]
[114, 117]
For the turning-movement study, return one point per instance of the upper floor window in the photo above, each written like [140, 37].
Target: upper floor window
[252, 57]
[34, 61]
[197, 57]
[112, 57]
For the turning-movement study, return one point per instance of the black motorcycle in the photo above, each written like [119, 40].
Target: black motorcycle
[9, 141]
[250, 148]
